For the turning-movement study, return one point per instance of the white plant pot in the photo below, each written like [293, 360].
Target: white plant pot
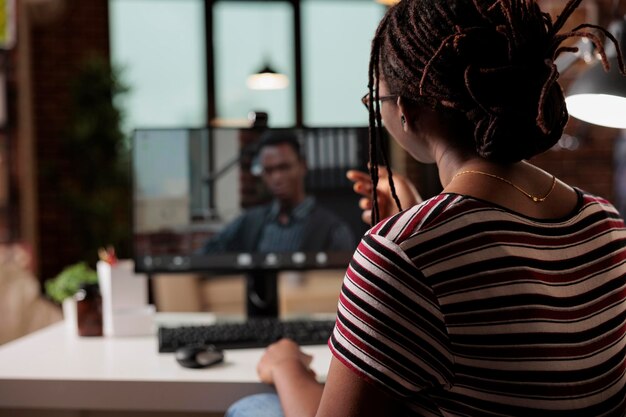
[69, 315]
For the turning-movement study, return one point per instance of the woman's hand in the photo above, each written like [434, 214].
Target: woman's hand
[286, 367]
[406, 192]
[283, 355]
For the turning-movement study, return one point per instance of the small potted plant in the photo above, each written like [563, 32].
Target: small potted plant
[63, 287]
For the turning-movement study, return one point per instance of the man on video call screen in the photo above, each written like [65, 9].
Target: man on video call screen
[292, 221]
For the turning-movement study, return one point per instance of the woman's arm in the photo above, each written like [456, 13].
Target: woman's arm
[344, 394]
[286, 367]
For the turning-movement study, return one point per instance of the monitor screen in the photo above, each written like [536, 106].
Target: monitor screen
[245, 199]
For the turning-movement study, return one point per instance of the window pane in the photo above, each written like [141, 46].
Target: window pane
[248, 36]
[160, 47]
[336, 38]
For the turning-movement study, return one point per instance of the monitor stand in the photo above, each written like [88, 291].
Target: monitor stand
[262, 294]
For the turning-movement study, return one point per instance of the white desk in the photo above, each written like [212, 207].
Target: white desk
[55, 370]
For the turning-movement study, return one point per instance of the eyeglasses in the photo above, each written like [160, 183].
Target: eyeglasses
[366, 99]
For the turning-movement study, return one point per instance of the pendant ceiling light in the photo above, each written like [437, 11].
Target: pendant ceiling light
[267, 79]
[597, 96]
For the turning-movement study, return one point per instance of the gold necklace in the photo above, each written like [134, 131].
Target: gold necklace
[517, 187]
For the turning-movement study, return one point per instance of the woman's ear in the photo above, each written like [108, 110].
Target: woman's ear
[408, 113]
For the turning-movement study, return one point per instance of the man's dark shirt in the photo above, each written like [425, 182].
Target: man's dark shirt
[310, 228]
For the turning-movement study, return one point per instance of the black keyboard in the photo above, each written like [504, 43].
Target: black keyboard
[249, 334]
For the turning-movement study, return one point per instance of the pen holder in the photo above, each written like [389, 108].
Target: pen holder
[125, 306]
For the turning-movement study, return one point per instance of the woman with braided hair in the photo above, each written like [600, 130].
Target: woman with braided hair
[505, 295]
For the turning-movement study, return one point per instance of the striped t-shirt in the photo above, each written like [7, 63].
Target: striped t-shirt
[463, 308]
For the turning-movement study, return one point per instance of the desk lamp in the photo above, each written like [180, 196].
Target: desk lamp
[598, 96]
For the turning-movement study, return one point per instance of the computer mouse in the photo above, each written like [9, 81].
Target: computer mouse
[198, 356]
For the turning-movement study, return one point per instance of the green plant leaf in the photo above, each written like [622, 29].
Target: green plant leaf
[68, 282]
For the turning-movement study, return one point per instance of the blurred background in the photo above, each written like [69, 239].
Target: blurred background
[76, 77]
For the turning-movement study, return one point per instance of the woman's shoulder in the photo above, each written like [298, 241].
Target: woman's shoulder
[447, 212]
[423, 215]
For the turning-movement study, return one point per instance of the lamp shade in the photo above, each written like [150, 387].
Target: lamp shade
[598, 96]
[267, 79]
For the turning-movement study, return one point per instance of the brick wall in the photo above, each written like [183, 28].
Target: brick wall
[591, 165]
[58, 47]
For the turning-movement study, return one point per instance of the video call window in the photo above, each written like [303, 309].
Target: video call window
[226, 198]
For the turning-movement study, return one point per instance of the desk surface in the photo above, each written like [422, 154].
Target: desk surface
[55, 369]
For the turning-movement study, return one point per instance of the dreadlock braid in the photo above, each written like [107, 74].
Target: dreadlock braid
[375, 124]
[373, 128]
[488, 64]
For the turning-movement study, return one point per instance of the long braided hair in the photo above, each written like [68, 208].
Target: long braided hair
[487, 64]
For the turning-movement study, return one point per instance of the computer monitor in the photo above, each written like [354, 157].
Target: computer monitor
[213, 200]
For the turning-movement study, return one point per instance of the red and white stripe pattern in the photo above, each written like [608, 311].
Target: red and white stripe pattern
[466, 309]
